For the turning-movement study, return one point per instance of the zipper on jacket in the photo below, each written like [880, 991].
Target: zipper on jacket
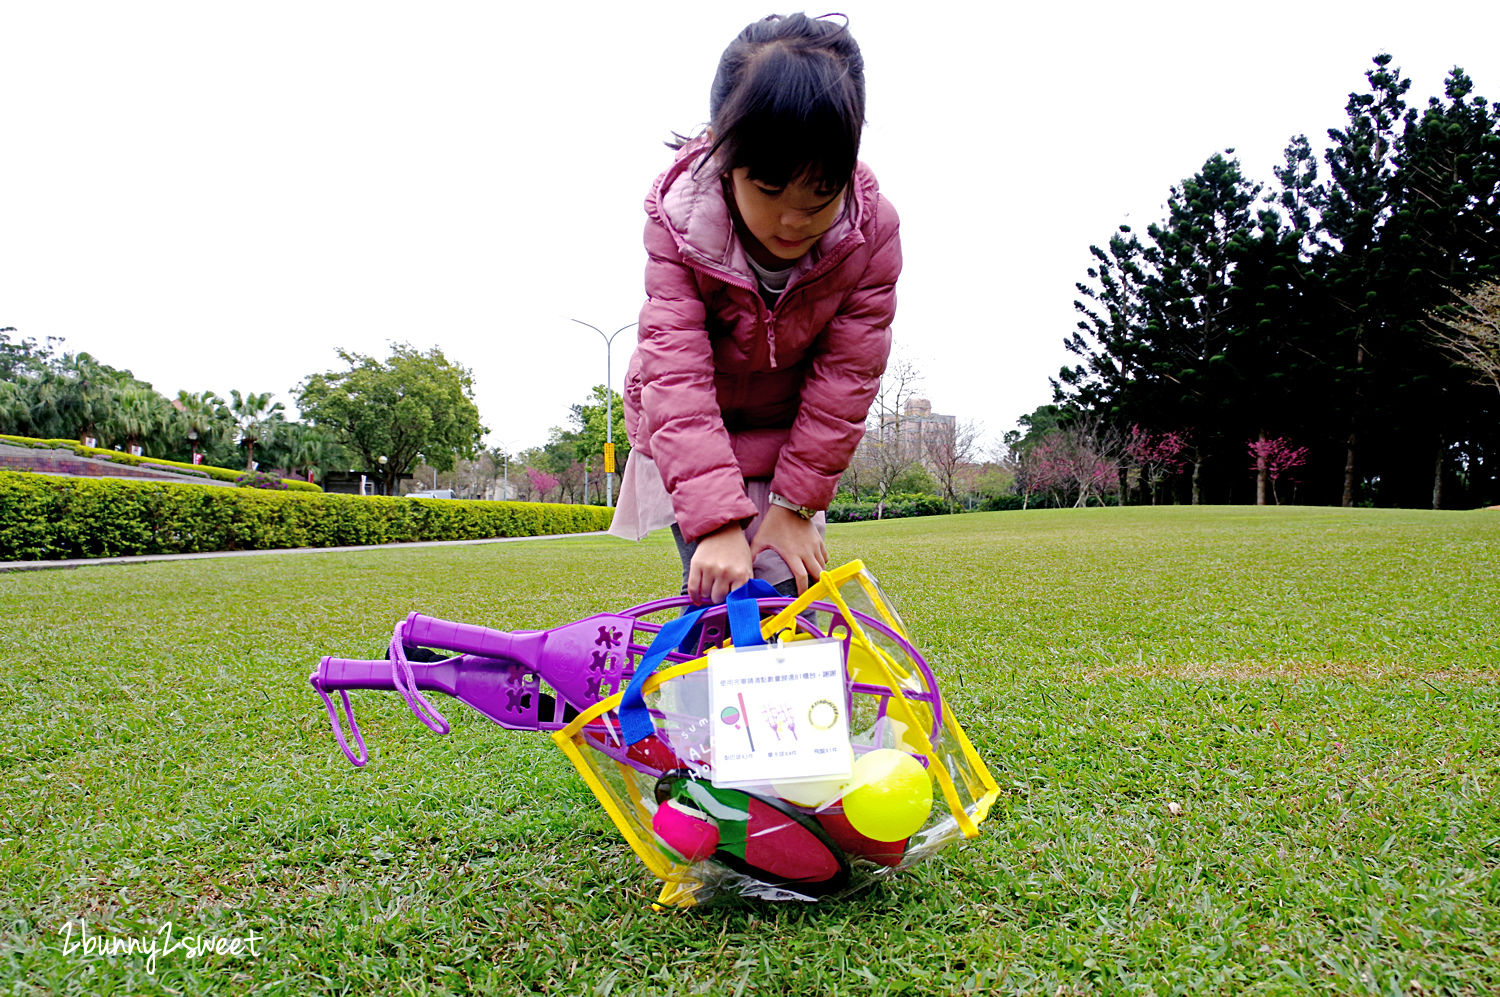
[819, 270]
[768, 317]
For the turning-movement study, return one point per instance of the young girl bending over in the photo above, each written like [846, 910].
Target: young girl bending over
[771, 284]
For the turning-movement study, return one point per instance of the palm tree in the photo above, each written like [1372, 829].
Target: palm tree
[15, 408]
[204, 416]
[164, 435]
[136, 414]
[311, 450]
[123, 421]
[253, 413]
[75, 398]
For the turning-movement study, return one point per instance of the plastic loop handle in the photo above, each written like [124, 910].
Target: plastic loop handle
[406, 684]
[333, 720]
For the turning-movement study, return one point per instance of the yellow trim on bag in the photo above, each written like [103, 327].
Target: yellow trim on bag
[649, 854]
[675, 895]
[567, 740]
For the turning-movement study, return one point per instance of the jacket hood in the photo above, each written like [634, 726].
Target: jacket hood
[693, 208]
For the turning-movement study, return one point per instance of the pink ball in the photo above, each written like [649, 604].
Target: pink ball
[688, 833]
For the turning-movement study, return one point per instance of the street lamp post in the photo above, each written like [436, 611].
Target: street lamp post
[609, 415]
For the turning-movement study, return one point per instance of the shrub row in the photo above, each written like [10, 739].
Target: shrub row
[48, 518]
[176, 466]
[1004, 503]
[904, 506]
[896, 507]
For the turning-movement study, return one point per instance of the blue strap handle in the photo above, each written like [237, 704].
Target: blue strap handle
[744, 628]
[744, 611]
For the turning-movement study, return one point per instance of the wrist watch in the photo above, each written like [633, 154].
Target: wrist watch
[787, 503]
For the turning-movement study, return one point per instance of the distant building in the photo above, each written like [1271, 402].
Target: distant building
[501, 491]
[920, 426]
[352, 482]
[915, 429]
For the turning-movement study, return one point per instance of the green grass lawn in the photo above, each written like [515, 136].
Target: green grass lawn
[1240, 750]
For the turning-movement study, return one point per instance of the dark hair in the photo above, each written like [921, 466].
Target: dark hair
[788, 101]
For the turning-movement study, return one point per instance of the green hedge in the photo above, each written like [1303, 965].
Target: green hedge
[1004, 503]
[48, 518]
[896, 507]
[176, 466]
[903, 506]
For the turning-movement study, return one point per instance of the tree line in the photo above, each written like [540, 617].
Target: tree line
[1329, 338]
[409, 415]
[382, 417]
[1320, 339]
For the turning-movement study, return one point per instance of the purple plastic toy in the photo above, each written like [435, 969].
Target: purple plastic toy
[499, 673]
[502, 674]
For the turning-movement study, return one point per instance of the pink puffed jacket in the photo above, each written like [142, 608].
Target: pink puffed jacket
[722, 388]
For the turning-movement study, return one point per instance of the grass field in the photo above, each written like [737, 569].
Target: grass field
[1241, 751]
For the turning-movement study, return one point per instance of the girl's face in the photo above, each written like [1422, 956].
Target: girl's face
[783, 222]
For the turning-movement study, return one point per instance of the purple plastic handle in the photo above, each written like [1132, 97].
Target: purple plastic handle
[578, 659]
[335, 674]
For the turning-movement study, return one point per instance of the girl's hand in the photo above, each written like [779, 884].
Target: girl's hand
[796, 540]
[721, 564]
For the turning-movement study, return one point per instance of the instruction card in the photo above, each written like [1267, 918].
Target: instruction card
[779, 713]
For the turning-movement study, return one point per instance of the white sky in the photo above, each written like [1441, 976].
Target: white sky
[217, 195]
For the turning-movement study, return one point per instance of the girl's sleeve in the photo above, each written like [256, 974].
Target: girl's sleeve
[844, 377]
[689, 443]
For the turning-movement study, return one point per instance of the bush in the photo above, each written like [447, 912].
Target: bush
[174, 466]
[914, 481]
[902, 506]
[1002, 503]
[48, 518]
[896, 507]
[255, 479]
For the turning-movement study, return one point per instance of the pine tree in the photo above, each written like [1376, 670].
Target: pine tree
[1443, 233]
[1157, 319]
[1190, 323]
[1108, 334]
[1275, 295]
[1353, 210]
[1309, 316]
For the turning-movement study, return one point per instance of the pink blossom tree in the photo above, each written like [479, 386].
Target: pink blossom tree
[1098, 475]
[1274, 457]
[1158, 455]
[1049, 467]
[1071, 466]
[541, 481]
[1025, 466]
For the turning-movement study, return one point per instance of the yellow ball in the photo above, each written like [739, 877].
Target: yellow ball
[809, 794]
[889, 796]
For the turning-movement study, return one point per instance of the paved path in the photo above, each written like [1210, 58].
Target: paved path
[140, 558]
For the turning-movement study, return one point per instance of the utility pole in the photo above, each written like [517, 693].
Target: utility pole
[609, 417]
